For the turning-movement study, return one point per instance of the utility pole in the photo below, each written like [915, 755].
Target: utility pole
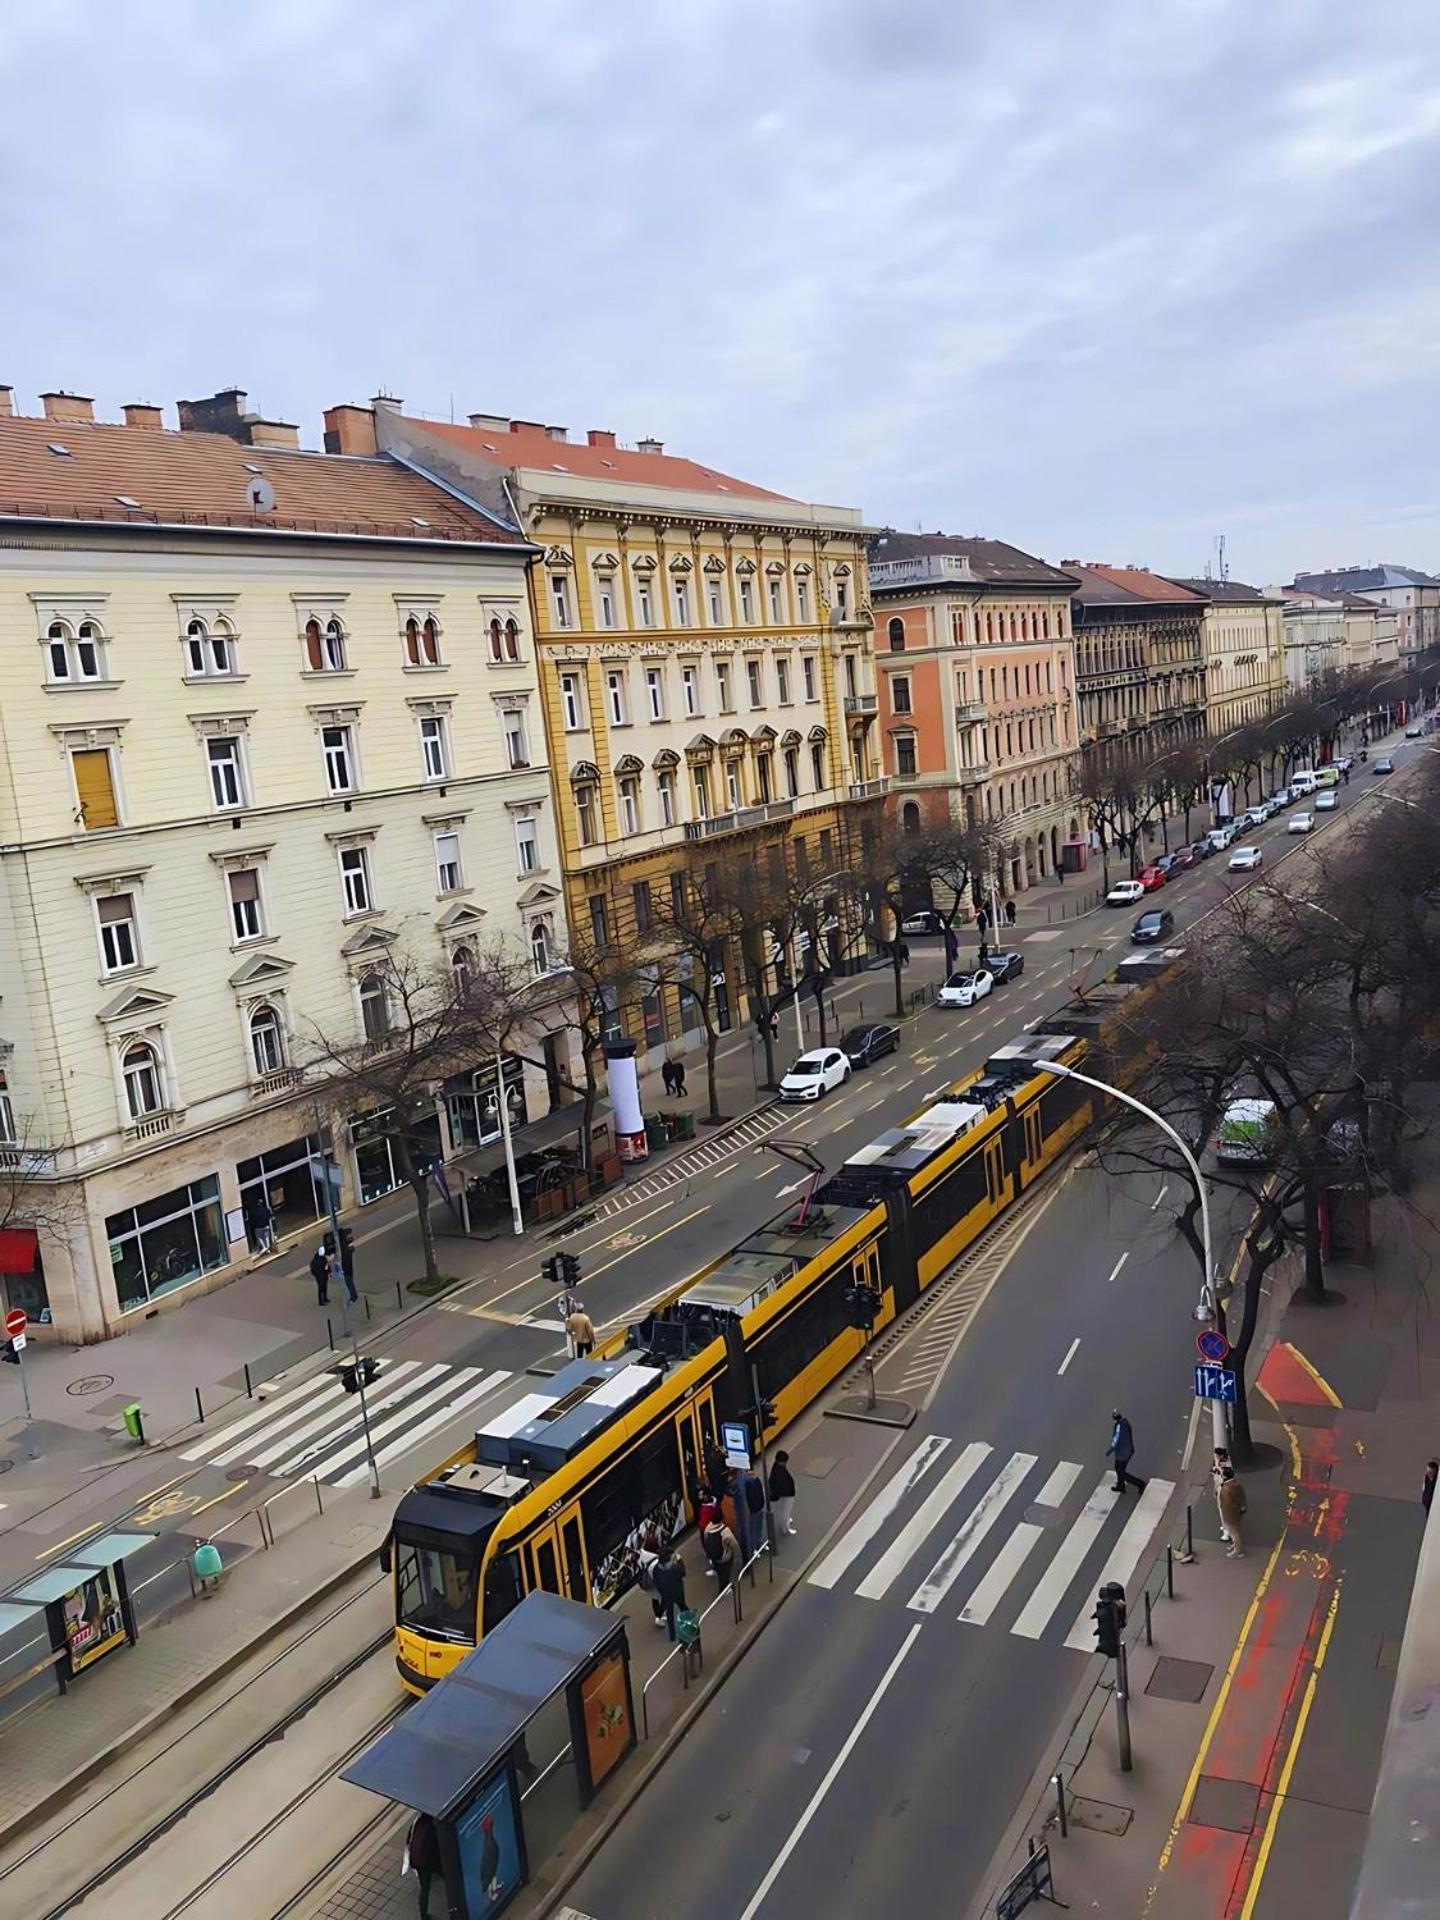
[502, 1098]
[345, 1320]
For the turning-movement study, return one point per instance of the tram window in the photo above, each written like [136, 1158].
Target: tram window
[502, 1588]
[629, 1492]
[800, 1336]
[547, 1571]
[1062, 1101]
[436, 1590]
[951, 1199]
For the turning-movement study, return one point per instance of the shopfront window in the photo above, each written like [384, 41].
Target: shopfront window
[167, 1242]
[283, 1191]
[474, 1110]
[377, 1159]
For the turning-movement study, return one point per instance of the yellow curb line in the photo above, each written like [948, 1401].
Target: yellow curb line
[1323, 1384]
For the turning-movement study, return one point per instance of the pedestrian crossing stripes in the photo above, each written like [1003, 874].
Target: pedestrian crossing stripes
[317, 1431]
[1087, 1545]
[746, 1132]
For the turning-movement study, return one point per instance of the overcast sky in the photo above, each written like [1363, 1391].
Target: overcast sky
[1104, 278]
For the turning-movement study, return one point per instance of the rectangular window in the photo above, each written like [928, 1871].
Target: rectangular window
[817, 767]
[682, 601]
[560, 599]
[690, 688]
[355, 877]
[677, 896]
[752, 677]
[655, 691]
[630, 805]
[615, 700]
[702, 793]
[807, 668]
[7, 1115]
[95, 789]
[733, 793]
[119, 940]
[339, 748]
[747, 599]
[642, 905]
[599, 920]
[449, 876]
[722, 684]
[905, 756]
[802, 600]
[900, 692]
[605, 594]
[782, 678]
[851, 687]
[715, 598]
[645, 603]
[570, 702]
[527, 843]
[585, 814]
[763, 783]
[826, 848]
[792, 773]
[776, 612]
[246, 916]
[517, 753]
[434, 754]
[227, 773]
[666, 784]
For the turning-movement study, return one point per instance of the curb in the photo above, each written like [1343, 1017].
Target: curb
[41, 1810]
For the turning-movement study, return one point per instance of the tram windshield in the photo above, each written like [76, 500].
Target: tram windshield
[436, 1590]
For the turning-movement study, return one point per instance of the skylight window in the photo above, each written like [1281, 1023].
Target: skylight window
[55, 447]
[253, 469]
[489, 445]
[416, 521]
[126, 501]
[608, 463]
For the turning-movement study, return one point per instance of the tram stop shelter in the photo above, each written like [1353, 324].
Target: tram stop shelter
[507, 1750]
[85, 1603]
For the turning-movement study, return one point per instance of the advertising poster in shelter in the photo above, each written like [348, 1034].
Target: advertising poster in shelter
[609, 1730]
[489, 1846]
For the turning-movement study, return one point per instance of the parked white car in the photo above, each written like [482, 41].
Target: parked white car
[1300, 823]
[815, 1074]
[1220, 837]
[1325, 801]
[1246, 859]
[964, 989]
[1124, 894]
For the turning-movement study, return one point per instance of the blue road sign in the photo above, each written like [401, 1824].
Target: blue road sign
[1215, 1383]
[1213, 1345]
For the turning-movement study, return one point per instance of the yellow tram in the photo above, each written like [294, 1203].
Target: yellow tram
[558, 1491]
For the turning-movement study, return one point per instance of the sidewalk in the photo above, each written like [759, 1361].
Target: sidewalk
[1259, 1714]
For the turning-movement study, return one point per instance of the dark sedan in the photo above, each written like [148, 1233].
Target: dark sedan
[1005, 966]
[864, 1044]
[1157, 924]
[1182, 861]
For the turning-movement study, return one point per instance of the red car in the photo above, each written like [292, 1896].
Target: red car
[1182, 861]
[1150, 878]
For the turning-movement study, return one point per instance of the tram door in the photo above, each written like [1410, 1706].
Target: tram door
[995, 1176]
[554, 1558]
[1034, 1138]
[695, 1432]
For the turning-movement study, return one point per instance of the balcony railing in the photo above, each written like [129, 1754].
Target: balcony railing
[968, 712]
[32, 1163]
[868, 789]
[861, 705]
[280, 1081]
[973, 776]
[925, 570]
[152, 1128]
[741, 820]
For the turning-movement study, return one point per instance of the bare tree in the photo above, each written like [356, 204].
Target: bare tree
[688, 945]
[895, 874]
[605, 982]
[422, 1023]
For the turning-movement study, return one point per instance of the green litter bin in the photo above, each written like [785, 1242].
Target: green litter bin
[135, 1422]
[655, 1132]
[207, 1564]
[684, 1126]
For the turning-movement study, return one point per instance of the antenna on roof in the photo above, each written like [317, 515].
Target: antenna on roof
[1222, 571]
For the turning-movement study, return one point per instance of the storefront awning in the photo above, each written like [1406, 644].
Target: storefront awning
[18, 1247]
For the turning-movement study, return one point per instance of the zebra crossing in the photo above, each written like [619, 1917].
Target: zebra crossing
[748, 1131]
[315, 1430]
[975, 1494]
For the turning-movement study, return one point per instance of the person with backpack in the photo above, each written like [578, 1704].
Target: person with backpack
[721, 1548]
[667, 1577]
[782, 1493]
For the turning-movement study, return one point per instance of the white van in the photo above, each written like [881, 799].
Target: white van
[1303, 781]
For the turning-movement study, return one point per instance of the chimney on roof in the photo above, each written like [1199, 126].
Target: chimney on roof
[595, 438]
[139, 414]
[224, 412]
[527, 426]
[275, 433]
[387, 403]
[490, 422]
[650, 446]
[69, 407]
[557, 433]
[7, 403]
[350, 429]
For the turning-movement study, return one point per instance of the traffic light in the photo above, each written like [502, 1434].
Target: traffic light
[353, 1376]
[768, 1415]
[863, 1305]
[8, 1353]
[1110, 1618]
[570, 1269]
[551, 1269]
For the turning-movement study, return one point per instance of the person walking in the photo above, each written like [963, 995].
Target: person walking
[678, 1074]
[320, 1274]
[1060, 873]
[754, 1490]
[782, 1493]
[721, 1548]
[262, 1225]
[1427, 1486]
[1233, 1504]
[667, 1074]
[1218, 1466]
[1009, 913]
[1122, 1451]
[422, 1858]
[346, 1260]
[667, 1576]
[581, 1329]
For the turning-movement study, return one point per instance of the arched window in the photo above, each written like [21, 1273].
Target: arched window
[540, 945]
[374, 1007]
[267, 1040]
[512, 640]
[144, 1083]
[897, 635]
[325, 646]
[207, 650]
[74, 653]
[910, 817]
[422, 642]
[497, 643]
[462, 970]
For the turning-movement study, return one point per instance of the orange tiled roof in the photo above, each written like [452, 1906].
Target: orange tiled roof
[524, 445]
[203, 479]
[1144, 584]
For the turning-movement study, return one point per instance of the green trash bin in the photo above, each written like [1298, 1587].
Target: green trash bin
[208, 1565]
[135, 1422]
[684, 1126]
[655, 1131]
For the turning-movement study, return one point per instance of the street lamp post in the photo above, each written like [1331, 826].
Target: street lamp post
[1208, 1305]
[345, 1321]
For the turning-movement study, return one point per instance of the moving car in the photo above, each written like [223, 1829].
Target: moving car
[1183, 860]
[1005, 966]
[1124, 893]
[1387, 765]
[1413, 732]
[964, 989]
[1151, 877]
[926, 921]
[1246, 859]
[1300, 823]
[1326, 802]
[1157, 924]
[861, 1045]
[814, 1074]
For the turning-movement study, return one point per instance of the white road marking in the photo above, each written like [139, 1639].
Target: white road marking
[1051, 1589]
[1017, 1549]
[853, 1542]
[264, 1411]
[922, 1524]
[831, 1773]
[345, 1408]
[1134, 1539]
[962, 1549]
[426, 1427]
[1159, 1196]
[1114, 1273]
[1074, 1349]
[409, 1410]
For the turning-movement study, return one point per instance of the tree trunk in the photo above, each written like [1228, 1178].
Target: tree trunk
[589, 1100]
[712, 1043]
[1262, 1251]
[420, 1187]
[762, 1023]
[895, 963]
[1314, 1285]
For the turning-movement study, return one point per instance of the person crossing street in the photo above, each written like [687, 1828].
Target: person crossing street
[1122, 1451]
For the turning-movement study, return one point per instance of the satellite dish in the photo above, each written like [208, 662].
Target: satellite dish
[261, 495]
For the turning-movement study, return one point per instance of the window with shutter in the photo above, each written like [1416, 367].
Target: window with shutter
[118, 946]
[95, 788]
[245, 904]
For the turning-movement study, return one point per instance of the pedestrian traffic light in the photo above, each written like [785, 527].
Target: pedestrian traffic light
[768, 1415]
[355, 1374]
[1110, 1618]
[551, 1270]
[863, 1305]
[570, 1269]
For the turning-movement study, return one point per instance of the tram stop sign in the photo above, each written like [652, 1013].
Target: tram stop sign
[1212, 1345]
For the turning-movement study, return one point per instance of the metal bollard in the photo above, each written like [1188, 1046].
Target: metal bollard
[1149, 1636]
[399, 1299]
[1189, 1532]
[249, 1390]
[1060, 1805]
[330, 1333]
[1169, 1570]
[199, 1406]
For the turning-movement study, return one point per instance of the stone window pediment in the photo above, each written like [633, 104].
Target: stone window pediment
[714, 565]
[220, 726]
[142, 1004]
[644, 563]
[558, 558]
[117, 882]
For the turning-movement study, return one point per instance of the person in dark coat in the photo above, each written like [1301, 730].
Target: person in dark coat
[1427, 1487]
[754, 1514]
[667, 1577]
[1122, 1451]
[678, 1069]
[320, 1274]
[667, 1074]
[347, 1258]
[782, 1493]
[1009, 913]
[422, 1851]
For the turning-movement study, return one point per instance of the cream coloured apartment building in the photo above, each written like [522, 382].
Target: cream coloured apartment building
[1243, 635]
[266, 717]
